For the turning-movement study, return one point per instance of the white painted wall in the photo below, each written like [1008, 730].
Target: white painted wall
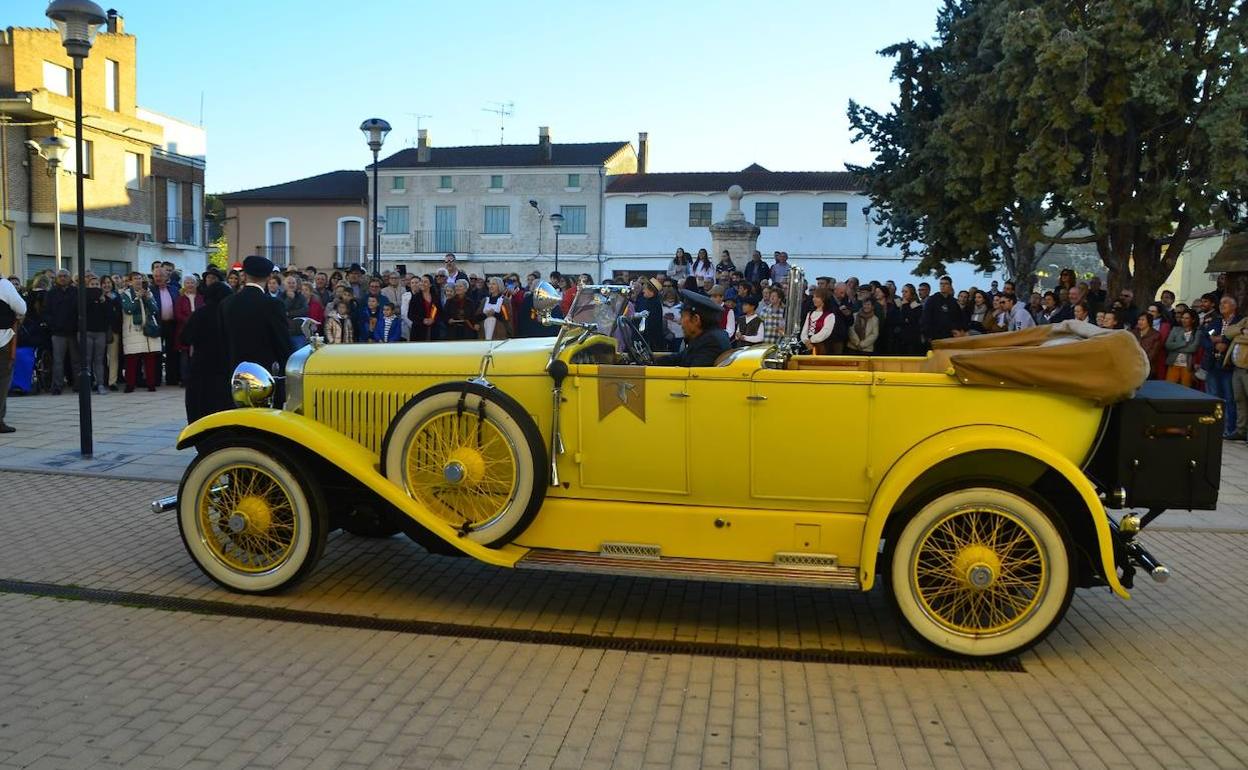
[840, 252]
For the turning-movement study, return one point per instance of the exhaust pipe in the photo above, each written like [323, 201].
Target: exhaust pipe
[164, 504]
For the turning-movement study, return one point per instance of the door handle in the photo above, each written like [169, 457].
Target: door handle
[680, 395]
[755, 398]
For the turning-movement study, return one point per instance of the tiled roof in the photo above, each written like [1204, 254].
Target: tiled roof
[750, 179]
[505, 155]
[334, 186]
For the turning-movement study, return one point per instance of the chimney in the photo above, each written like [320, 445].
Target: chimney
[422, 145]
[116, 24]
[643, 151]
[543, 144]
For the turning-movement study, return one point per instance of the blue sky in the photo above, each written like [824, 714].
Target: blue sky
[717, 85]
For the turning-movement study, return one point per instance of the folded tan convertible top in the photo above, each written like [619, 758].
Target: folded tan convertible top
[1072, 357]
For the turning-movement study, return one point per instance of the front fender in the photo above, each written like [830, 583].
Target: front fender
[353, 459]
[974, 438]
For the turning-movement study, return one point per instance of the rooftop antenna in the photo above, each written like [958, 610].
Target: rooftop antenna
[503, 110]
[419, 117]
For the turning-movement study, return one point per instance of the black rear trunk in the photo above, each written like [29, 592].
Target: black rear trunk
[1161, 449]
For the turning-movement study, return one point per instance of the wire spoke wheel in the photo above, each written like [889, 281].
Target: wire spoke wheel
[252, 515]
[247, 519]
[470, 457]
[462, 467]
[981, 571]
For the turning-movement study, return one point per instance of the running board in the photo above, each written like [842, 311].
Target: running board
[676, 568]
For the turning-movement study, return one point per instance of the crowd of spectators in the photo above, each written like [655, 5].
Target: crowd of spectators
[136, 322]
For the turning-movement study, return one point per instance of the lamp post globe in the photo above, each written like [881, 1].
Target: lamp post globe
[375, 131]
[556, 221]
[78, 21]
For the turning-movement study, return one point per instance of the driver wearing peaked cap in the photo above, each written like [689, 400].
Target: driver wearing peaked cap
[705, 339]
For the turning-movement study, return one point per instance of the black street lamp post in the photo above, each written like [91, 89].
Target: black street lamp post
[375, 130]
[78, 21]
[556, 221]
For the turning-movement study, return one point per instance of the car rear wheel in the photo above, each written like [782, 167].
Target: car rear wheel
[471, 456]
[251, 517]
[981, 572]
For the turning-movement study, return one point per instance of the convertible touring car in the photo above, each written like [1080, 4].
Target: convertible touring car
[974, 482]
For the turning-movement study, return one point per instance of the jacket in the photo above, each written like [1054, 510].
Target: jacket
[701, 351]
[98, 311]
[182, 309]
[395, 334]
[1176, 344]
[757, 272]
[255, 328]
[941, 316]
[60, 310]
[871, 332]
[1237, 335]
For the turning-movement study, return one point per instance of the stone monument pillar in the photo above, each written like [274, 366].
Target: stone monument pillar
[736, 234]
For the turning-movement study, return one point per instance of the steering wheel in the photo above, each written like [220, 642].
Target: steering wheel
[639, 352]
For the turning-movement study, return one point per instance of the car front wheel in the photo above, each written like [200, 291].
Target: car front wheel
[981, 572]
[251, 517]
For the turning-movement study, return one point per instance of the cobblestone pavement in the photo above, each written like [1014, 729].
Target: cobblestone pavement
[1157, 681]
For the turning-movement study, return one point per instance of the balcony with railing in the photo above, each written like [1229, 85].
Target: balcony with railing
[278, 255]
[182, 231]
[442, 241]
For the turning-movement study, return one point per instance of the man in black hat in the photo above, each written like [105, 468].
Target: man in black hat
[704, 339]
[255, 323]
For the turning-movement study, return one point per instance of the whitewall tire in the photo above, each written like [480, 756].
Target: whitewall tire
[981, 572]
[251, 517]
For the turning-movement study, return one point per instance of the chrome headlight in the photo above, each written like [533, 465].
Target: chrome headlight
[294, 378]
[252, 385]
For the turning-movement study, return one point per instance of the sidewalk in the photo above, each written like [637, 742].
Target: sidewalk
[134, 435]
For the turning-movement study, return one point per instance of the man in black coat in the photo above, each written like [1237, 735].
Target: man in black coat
[254, 323]
[208, 390]
[704, 339]
[60, 313]
[942, 316]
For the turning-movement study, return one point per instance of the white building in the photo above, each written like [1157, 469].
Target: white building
[478, 202]
[819, 218]
[178, 234]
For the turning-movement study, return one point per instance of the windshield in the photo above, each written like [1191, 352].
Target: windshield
[599, 305]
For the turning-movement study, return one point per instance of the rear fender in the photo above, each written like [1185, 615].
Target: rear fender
[978, 438]
[353, 459]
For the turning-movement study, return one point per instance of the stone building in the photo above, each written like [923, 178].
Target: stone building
[36, 100]
[478, 202]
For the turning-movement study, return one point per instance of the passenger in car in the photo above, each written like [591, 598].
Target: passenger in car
[704, 339]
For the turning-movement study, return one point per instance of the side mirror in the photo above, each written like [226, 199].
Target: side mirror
[546, 298]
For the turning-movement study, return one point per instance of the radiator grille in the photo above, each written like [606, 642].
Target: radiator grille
[361, 414]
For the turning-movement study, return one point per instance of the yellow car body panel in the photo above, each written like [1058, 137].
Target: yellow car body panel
[973, 438]
[353, 459]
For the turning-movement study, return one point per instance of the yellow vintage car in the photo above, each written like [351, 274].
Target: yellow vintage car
[974, 501]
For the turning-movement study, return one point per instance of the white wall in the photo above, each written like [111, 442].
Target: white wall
[835, 251]
[180, 137]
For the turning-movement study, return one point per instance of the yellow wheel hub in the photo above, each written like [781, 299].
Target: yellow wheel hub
[247, 519]
[979, 571]
[465, 466]
[462, 467]
[978, 566]
[252, 515]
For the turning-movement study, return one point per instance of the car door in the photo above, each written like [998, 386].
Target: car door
[808, 436]
[632, 431]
